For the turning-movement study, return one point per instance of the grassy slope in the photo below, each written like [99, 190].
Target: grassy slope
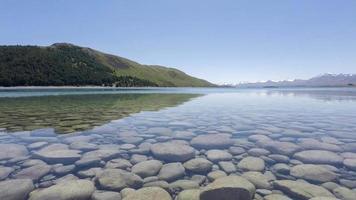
[66, 64]
[163, 76]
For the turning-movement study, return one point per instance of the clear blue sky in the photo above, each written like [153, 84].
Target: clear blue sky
[221, 41]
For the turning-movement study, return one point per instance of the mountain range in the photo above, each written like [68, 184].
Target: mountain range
[63, 64]
[325, 80]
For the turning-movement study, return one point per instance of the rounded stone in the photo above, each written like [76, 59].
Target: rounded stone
[251, 164]
[350, 163]
[319, 157]
[258, 179]
[63, 156]
[198, 165]
[9, 151]
[68, 190]
[15, 189]
[193, 194]
[216, 155]
[228, 187]
[212, 141]
[105, 195]
[149, 193]
[117, 179]
[301, 190]
[171, 172]
[312, 172]
[173, 152]
[147, 168]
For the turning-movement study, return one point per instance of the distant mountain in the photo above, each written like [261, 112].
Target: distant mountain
[325, 80]
[67, 64]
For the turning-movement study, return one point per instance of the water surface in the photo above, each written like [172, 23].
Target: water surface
[258, 122]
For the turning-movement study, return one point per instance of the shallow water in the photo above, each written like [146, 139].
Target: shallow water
[128, 122]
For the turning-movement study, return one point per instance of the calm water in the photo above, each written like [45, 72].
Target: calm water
[129, 121]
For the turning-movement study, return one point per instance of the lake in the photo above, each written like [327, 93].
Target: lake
[179, 139]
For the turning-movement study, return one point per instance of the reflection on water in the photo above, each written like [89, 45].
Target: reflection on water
[79, 112]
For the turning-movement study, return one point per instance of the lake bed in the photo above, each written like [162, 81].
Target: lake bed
[183, 143]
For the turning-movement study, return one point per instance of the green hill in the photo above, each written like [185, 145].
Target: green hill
[67, 64]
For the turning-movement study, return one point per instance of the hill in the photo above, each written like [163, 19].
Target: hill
[66, 64]
[325, 80]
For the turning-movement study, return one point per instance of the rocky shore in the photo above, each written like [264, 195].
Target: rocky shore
[177, 163]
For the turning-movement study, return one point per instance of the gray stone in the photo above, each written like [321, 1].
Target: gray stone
[63, 156]
[284, 148]
[136, 158]
[258, 152]
[350, 163]
[105, 195]
[147, 168]
[180, 185]
[319, 157]
[117, 179]
[212, 176]
[193, 194]
[218, 155]
[251, 164]
[313, 173]
[281, 168]
[149, 193]
[5, 171]
[228, 167]
[228, 187]
[69, 190]
[173, 152]
[344, 193]
[301, 190]
[83, 146]
[276, 197]
[15, 189]
[171, 171]
[258, 179]
[103, 154]
[9, 151]
[34, 173]
[198, 165]
[212, 141]
[118, 163]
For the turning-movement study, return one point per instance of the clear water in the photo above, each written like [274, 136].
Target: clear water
[327, 115]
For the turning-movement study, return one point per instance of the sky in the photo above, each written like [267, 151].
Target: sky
[222, 41]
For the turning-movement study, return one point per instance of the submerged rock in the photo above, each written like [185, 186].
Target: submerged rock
[284, 148]
[258, 179]
[319, 157]
[117, 179]
[68, 190]
[251, 164]
[63, 156]
[171, 172]
[173, 152]
[228, 187]
[193, 194]
[15, 189]
[8, 151]
[5, 171]
[218, 155]
[105, 195]
[34, 172]
[212, 141]
[147, 168]
[149, 193]
[350, 163]
[198, 165]
[301, 190]
[312, 172]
